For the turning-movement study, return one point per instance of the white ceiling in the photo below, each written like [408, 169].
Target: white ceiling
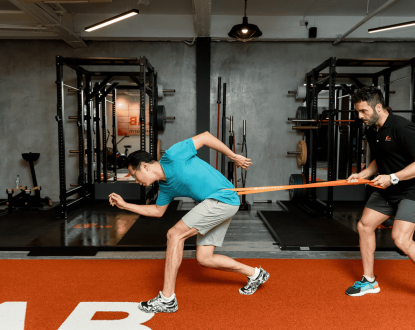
[236, 7]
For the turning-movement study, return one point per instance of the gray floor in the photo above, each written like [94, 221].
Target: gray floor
[247, 237]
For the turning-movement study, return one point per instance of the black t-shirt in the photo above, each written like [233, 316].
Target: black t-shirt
[393, 148]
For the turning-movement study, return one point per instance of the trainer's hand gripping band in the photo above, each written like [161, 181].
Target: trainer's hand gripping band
[257, 190]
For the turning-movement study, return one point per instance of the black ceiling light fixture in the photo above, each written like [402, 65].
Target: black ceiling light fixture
[245, 32]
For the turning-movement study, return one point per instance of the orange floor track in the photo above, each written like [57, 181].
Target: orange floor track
[300, 294]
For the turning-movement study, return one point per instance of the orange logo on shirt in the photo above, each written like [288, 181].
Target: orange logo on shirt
[388, 138]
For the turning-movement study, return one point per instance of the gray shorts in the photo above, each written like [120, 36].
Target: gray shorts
[211, 218]
[399, 209]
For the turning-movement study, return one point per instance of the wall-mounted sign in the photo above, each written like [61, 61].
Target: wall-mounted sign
[128, 115]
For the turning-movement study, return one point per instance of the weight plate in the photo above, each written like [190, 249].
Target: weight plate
[302, 156]
[158, 150]
[297, 179]
[161, 117]
[160, 91]
[301, 113]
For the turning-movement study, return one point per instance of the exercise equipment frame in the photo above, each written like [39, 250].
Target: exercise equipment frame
[89, 118]
[317, 81]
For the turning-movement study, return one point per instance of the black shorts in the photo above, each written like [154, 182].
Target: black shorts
[399, 209]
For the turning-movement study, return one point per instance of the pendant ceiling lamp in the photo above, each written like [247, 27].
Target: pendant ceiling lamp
[112, 20]
[245, 32]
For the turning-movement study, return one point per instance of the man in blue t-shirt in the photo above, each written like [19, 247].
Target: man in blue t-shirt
[182, 174]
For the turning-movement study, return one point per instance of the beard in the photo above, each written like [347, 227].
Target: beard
[373, 119]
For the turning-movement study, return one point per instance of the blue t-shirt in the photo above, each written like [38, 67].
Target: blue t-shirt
[189, 176]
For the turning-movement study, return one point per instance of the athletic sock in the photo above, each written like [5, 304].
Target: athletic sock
[165, 299]
[254, 277]
[370, 279]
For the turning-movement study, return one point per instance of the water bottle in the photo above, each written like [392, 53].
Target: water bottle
[17, 182]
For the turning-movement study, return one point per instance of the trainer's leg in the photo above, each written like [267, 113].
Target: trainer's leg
[370, 220]
[402, 234]
[206, 258]
[174, 254]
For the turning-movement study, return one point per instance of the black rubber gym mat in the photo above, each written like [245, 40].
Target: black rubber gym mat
[295, 230]
[20, 227]
[63, 251]
[151, 232]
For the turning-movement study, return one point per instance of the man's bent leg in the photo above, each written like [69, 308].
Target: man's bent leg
[402, 234]
[256, 277]
[370, 220]
[174, 254]
[206, 258]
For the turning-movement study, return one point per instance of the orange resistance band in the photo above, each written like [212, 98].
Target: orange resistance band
[257, 190]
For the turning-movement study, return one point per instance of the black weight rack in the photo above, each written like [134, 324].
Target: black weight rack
[316, 81]
[93, 88]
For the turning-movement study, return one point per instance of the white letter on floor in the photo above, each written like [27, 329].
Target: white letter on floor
[12, 315]
[81, 317]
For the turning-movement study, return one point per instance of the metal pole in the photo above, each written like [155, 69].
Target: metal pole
[142, 106]
[98, 136]
[81, 121]
[155, 105]
[89, 142]
[61, 137]
[217, 133]
[244, 172]
[336, 139]
[230, 164]
[222, 165]
[155, 130]
[313, 141]
[331, 138]
[387, 77]
[114, 131]
[143, 68]
[412, 91]
[306, 167]
[352, 128]
[104, 138]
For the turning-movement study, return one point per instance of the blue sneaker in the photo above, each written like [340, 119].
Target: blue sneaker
[362, 287]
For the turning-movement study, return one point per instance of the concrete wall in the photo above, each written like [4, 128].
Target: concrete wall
[258, 75]
[28, 103]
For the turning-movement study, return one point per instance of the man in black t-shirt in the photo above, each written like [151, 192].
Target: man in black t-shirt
[392, 144]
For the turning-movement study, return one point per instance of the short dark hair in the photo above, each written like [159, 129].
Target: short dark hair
[371, 94]
[136, 158]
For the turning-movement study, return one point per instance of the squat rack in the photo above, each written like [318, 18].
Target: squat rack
[91, 112]
[316, 81]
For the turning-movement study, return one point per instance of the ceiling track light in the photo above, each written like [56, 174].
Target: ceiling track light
[391, 27]
[245, 31]
[112, 20]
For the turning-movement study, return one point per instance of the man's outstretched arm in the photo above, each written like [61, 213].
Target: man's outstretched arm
[207, 139]
[146, 210]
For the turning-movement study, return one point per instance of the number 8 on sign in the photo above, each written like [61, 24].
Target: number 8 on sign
[133, 121]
